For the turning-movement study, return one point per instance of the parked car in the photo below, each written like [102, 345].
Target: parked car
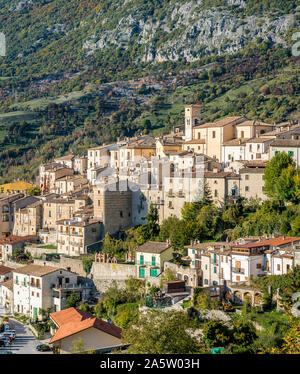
[2, 343]
[43, 348]
[5, 340]
[13, 332]
[5, 352]
[7, 337]
[10, 334]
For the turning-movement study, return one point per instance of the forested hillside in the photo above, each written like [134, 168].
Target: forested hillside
[82, 72]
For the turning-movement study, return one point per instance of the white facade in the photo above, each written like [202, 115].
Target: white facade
[32, 293]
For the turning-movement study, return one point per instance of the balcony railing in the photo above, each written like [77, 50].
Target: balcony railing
[147, 263]
[238, 270]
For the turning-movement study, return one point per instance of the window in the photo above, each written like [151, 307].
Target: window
[258, 266]
[153, 260]
[238, 278]
[247, 177]
[213, 134]
[291, 153]
[276, 152]
[17, 280]
[247, 188]
[153, 272]
[216, 193]
[278, 266]
[205, 281]
[142, 259]
[205, 267]
[121, 213]
[5, 209]
[242, 134]
[215, 270]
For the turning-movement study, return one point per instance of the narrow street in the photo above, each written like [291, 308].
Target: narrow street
[25, 342]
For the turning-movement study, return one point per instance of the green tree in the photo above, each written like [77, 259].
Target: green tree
[168, 275]
[273, 172]
[286, 185]
[72, 300]
[87, 264]
[159, 332]
[243, 333]
[216, 334]
[34, 191]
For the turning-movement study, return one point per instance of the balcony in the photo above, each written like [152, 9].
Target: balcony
[170, 193]
[180, 194]
[147, 263]
[70, 286]
[35, 285]
[238, 270]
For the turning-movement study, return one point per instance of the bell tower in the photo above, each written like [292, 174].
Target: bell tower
[192, 118]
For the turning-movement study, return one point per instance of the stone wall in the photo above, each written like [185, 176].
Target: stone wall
[75, 265]
[38, 251]
[113, 271]
[13, 265]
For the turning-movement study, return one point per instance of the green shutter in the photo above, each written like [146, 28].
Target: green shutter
[17, 279]
[153, 260]
[153, 272]
[142, 272]
[35, 312]
[142, 259]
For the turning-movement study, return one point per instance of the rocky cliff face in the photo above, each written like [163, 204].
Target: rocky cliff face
[185, 30]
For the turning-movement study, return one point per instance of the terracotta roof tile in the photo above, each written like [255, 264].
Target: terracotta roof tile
[153, 247]
[72, 321]
[5, 269]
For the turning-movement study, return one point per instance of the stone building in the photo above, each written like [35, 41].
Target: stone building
[113, 206]
[78, 237]
[28, 220]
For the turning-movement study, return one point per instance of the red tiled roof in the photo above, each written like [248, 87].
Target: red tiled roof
[5, 269]
[270, 242]
[72, 321]
[16, 239]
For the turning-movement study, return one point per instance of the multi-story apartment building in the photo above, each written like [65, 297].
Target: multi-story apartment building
[10, 244]
[151, 257]
[69, 183]
[289, 146]
[7, 212]
[61, 208]
[251, 180]
[37, 287]
[49, 173]
[243, 261]
[78, 237]
[28, 220]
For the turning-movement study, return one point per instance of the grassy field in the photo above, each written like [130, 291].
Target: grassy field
[44, 102]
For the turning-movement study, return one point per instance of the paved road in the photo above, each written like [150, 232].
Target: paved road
[25, 341]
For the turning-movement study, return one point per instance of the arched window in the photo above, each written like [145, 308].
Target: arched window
[5, 209]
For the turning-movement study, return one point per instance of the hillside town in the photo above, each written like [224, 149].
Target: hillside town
[83, 199]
